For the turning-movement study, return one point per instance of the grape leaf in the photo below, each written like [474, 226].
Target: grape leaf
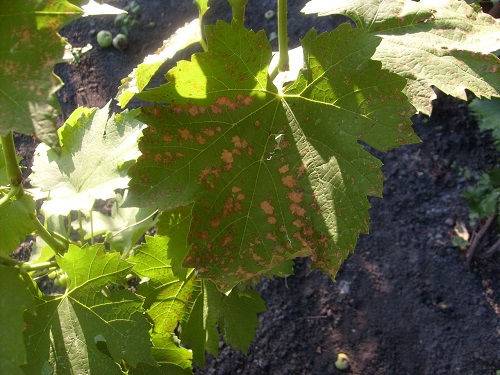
[30, 47]
[166, 295]
[15, 299]
[67, 328]
[123, 228]
[487, 111]
[272, 176]
[172, 358]
[138, 79]
[236, 315]
[443, 43]
[174, 225]
[96, 153]
[15, 222]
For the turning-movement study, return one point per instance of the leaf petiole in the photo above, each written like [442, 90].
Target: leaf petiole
[47, 237]
[238, 8]
[283, 63]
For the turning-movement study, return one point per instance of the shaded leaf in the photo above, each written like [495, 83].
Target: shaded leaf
[488, 111]
[235, 314]
[172, 358]
[15, 299]
[445, 43]
[67, 328]
[15, 222]
[96, 152]
[30, 47]
[272, 176]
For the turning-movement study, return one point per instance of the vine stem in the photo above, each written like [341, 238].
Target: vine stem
[283, 63]
[14, 173]
[238, 8]
[47, 237]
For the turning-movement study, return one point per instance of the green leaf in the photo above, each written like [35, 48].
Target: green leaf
[166, 294]
[174, 225]
[67, 328]
[30, 47]
[123, 228]
[235, 314]
[172, 358]
[488, 111]
[138, 79]
[15, 299]
[15, 222]
[444, 43]
[96, 153]
[272, 176]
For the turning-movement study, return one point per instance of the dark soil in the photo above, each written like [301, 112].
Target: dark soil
[405, 302]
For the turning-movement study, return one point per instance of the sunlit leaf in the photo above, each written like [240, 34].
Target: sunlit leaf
[96, 152]
[442, 43]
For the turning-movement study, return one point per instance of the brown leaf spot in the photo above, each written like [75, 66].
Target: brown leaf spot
[215, 223]
[235, 189]
[298, 223]
[257, 123]
[209, 132]
[272, 220]
[215, 109]
[166, 138]
[296, 196]
[284, 168]
[200, 139]
[272, 236]
[158, 158]
[193, 111]
[227, 240]
[289, 181]
[297, 209]
[227, 157]
[267, 207]
[248, 100]
[185, 134]
[240, 197]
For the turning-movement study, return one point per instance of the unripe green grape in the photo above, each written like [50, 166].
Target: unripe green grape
[52, 275]
[342, 362]
[104, 38]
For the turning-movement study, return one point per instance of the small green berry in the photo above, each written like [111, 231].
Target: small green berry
[104, 38]
[342, 362]
[120, 41]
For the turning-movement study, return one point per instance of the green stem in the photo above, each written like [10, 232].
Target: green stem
[238, 7]
[8, 261]
[11, 194]
[283, 64]
[47, 237]
[28, 267]
[14, 173]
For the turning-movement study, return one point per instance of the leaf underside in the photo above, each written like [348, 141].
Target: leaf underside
[271, 177]
[442, 43]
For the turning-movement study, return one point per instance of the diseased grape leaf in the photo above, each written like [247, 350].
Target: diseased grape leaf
[30, 47]
[67, 328]
[96, 152]
[442, 43]
[15, 299]
[15, 222]
[235, 314]
[272, 176]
